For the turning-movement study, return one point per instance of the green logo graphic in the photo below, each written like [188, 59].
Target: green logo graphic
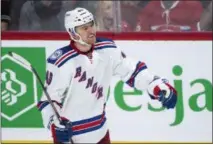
[20, 91]
[193, 100]
[14, 88]
[10, 95]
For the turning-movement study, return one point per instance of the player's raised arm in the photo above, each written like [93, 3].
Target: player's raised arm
[136, 74]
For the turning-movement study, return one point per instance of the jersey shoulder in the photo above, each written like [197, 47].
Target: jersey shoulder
[104, 43]
[62, 55]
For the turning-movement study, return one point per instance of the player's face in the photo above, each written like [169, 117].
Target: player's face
[87, 32]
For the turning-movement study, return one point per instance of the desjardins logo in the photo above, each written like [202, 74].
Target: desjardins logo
[192, 102]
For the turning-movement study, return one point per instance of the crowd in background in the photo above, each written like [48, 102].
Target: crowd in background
[111, 16]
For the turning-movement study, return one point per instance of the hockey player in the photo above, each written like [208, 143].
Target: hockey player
[78, 77]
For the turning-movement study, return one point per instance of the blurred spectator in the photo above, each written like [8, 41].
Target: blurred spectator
[205, 3]
[104, 16]
[5, 15]
[16, 6]
[41, 15]
[89, 5]
[205, 23]
[129, 12]
[172, 15]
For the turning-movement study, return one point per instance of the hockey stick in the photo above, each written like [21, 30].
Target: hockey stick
[29, 66]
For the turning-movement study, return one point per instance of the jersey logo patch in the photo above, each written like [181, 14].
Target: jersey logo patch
[56, 55]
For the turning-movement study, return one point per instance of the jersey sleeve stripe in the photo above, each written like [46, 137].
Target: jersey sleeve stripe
[104, 43]
[139, 67]
[67, 58]
[105, 46]
[64, 57]
[42, 104]
[101, 45]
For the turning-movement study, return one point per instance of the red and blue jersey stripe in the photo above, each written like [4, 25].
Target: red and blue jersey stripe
[139, 67]
[65, 57]
[104, 43]
[88, 125]
[62, 55]
[42, 104]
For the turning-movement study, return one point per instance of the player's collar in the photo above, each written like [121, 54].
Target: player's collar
[78, 51]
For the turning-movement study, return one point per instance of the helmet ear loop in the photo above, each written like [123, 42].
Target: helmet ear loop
[74, 35]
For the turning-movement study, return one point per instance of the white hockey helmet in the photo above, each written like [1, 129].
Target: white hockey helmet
[77, 17]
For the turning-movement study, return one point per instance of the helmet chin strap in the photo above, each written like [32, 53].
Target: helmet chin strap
[80, 40]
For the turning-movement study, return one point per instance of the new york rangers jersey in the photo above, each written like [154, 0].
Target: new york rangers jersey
[78, 84]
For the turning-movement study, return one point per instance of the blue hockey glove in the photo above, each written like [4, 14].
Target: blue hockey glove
[161, 90]
[61, 132]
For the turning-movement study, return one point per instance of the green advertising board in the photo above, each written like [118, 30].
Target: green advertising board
[20, 90]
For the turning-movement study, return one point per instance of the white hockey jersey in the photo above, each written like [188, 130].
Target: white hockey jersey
[78, 83]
